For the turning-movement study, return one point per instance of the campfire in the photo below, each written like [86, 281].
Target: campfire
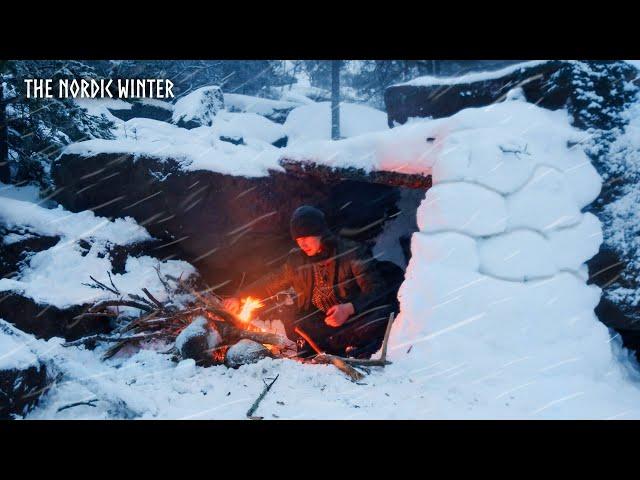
[197, 325]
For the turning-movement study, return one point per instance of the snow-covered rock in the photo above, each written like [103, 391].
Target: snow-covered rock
[248, 128]
[49, 287]
[541, 82]
[245, 351]
[23, 377]
[197, 340]
[118, 110]
[274, 110]
[198, 108]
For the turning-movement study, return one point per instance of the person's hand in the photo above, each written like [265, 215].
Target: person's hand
[338, 314]
[232, 304]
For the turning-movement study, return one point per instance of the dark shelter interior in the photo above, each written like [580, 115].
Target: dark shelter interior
[236, 229]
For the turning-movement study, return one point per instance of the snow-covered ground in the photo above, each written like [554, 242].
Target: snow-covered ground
[496, 319]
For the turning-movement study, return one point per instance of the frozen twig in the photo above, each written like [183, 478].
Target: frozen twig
[77, 404]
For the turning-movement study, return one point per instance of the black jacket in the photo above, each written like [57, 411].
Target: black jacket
[355, 277]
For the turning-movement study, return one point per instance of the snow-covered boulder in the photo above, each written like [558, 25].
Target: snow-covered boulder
[541, 82]
[50, 286]
[197, 341]
[198, 108]
[248, 129]
[143, 108]
[274, 110]
[313, 121]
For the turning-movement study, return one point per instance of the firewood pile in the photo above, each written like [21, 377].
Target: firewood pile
[196, 325]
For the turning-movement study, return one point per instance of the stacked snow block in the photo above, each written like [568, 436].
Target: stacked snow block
[498, 270]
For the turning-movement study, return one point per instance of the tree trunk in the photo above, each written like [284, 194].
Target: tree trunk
[5, 173]
[335, 99]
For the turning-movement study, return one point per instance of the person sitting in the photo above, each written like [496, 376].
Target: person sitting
[342, 302]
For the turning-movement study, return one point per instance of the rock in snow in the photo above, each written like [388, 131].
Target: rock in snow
[245, 351]
[23, 377]
[198, 108]
[197, 340]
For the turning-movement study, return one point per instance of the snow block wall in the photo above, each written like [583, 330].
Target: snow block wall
[496, 288]
[496, 314]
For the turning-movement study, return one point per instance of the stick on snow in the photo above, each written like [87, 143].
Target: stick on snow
[267, 387]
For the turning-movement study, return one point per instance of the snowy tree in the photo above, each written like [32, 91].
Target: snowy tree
[249, 77]
[5, 173]
[39, 128]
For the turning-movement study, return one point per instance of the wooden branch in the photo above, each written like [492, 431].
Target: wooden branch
[351, 372]
[333, 175]
[139, 320]
[105, 287]
[95, 314]
[231, 334]
[367, 362]
[140, 299]
[132, 339]
[267, 387]
[162, 280]
[383, 354]
[76, 404]
[119, 303]
[153, 299]
[112, 284]
[107, 338]
[227, 317]
[371, 362]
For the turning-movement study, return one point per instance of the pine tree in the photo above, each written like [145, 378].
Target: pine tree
[5, 172]
[38, 129]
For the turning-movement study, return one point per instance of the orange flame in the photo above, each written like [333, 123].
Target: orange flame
[249, 304]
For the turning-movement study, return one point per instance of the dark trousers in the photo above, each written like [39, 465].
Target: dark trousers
[364, 332]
